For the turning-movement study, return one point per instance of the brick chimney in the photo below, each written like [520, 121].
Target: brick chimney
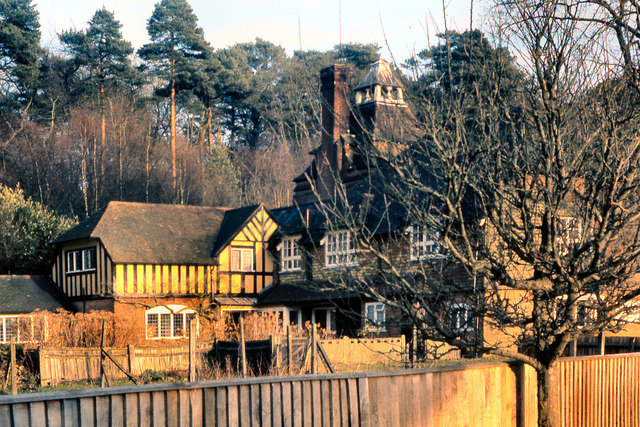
[334, 87]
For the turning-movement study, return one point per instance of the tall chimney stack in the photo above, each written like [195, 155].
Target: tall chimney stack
[334, 87]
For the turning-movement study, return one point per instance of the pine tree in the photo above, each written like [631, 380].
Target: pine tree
[177, 43]
[19, 48]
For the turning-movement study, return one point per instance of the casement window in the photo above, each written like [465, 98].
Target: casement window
[461, 316]
[569, 234]
[168, 322]
[424, 245]
[374, 312]
[81, 260]
[290, 257]
[340, 249]
[241, 259]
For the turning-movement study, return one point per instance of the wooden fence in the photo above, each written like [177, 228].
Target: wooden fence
[593, 391]
[74, 364]
[58, 365]
[600, 390]
[478, 395]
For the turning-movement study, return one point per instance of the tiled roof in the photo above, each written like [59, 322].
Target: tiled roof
[25, 294]
[153, 233]
[232, 223]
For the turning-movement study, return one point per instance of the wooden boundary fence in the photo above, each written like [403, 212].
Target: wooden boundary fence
[593, 391]
[479, 394]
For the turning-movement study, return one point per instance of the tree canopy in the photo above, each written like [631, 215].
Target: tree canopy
[26, 231]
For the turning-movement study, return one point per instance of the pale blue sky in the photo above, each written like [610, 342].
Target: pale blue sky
[407, 23]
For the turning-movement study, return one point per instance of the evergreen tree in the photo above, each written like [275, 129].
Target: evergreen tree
[26, 229]
[19, 48]
[177, 43]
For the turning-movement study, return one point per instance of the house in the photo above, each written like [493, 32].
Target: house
[158, 264]
[22, 295]
[315, 253]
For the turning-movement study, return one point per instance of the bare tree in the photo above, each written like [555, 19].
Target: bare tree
[533, 195]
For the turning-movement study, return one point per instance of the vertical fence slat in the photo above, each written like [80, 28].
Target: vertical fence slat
[5, 415]
[245, 404]
[296, 403]
[131, 409]
[365, 405]
[233, 418]
[209, 403]
[21, 415]
[117, 411]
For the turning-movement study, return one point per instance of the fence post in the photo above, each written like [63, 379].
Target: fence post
[314, 350]
[103, 375]
[243, 352]
[602, 343]
[192, 349]
[289, 350]
[130, 357]
[14, 385]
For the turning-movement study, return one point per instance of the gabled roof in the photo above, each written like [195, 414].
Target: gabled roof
[147, 233]
[234, 220]
[25, 294]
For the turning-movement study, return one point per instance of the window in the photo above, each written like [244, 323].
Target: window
[375, 315]
[340, 249]
[81, 260]
[461, 318]
[290, 254]
[569, 232]
[20, 327]
[423, 244]
[241, 259]
[295, 316]
[325, 318]
[168, 322]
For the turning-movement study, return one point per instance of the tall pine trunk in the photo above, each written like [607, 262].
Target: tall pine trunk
[174, 173]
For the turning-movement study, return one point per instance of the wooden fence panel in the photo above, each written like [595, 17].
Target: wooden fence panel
[594, 391]
[83, 364]
[599, 390]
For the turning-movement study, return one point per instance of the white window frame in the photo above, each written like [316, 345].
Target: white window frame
[462, 319]
[15, 318]
[85, 258]
[172, 313]
[339, 249]
[244, 255]
[377, 321]
[290, 256]
[423, 246]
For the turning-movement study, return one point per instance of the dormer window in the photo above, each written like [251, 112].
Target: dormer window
[340, 249]
[290, 258]
[81, 260]
[424, 245]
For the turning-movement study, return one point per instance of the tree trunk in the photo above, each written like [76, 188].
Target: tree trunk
[173, 138]
[548, 414]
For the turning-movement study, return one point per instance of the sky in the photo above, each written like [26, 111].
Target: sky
[407, 25]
